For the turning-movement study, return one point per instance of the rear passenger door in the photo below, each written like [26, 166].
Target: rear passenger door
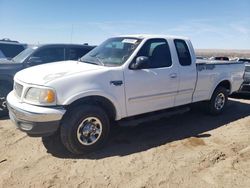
[74, 53]
[153, 88]
[187, 73]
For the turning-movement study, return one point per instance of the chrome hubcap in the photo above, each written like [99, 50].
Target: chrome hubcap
[89, 131]
[220, 101]
[3, 105]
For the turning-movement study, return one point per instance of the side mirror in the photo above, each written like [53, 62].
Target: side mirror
[142, 62]
[35, 60]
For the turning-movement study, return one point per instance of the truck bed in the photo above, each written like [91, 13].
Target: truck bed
[216, 62]
[214, 71]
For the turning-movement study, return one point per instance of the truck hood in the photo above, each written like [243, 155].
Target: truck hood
[42, 74]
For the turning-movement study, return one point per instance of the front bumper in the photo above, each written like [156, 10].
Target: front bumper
[34, 120]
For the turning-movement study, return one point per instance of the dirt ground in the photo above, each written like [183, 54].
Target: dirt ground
[188, 150]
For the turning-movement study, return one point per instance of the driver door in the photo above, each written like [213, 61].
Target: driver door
[153, 88]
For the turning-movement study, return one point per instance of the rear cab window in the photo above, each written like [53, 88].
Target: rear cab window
[183, 52]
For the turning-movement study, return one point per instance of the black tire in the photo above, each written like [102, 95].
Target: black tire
[54, 145]
[218, 101]
[4, 91]
[74, 124]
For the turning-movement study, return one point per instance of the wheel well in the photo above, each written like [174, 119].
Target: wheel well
[103, 102]
[226, 84]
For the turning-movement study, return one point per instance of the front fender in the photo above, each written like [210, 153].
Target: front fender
[120, 112]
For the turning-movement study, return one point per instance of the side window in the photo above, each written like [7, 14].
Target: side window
[76, 53]
[48, 55]
[157, 50]
[183, 52]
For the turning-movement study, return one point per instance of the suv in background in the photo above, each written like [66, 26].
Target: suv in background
[32, 56]
[9, 48]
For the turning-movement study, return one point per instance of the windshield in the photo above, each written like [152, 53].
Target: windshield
[112, 52]
[23, 55]
[2, 55]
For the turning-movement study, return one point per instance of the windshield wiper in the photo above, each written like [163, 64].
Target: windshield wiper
[100, 60]
[89, 62]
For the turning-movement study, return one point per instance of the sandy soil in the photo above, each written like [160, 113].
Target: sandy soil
[189, 150]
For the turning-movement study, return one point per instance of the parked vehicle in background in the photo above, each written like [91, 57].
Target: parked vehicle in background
[245, 60]
[245, 87]
[125, 79]
[32, 56]
[2, 55]
[201, 57]
[9, 48]
[220, 58]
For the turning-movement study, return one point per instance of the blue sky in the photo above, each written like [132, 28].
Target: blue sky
[209, 24]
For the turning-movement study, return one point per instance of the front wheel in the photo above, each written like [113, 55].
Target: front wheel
[85, 129]
[218, 101]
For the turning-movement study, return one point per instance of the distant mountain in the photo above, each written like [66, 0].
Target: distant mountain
[223, 52]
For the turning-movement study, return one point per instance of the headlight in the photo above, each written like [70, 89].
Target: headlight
[40, 96]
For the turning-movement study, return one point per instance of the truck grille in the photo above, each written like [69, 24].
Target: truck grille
[18, 88]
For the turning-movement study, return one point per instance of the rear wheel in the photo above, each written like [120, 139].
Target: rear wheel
[218, 101]
[85, 129]
[4, 90]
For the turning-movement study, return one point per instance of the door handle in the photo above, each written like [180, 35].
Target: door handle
[116, 82]
[173, 75]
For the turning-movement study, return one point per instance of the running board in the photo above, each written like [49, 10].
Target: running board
[153, 116]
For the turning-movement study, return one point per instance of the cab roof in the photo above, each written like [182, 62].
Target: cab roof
[149, 36]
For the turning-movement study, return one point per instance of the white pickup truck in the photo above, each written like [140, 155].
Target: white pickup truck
[126, 78]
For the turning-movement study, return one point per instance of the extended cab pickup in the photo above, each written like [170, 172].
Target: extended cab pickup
[122, 79]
